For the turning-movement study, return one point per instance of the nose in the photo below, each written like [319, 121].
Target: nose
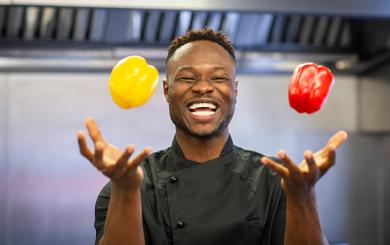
[203, 87]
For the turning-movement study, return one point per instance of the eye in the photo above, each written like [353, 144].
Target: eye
[220, 79]
[186, 79]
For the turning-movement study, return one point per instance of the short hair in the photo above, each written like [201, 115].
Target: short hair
[205, 34]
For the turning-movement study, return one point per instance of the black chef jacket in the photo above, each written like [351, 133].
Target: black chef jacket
[233, 199]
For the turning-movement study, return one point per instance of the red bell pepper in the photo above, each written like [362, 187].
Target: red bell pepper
[309, 87]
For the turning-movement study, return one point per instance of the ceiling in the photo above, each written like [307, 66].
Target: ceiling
[56, 36]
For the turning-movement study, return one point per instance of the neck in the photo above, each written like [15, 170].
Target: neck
[201, 150]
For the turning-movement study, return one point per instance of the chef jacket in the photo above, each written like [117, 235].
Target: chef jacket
[233, 199]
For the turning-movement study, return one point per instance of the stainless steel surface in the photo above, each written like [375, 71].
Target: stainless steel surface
[14, 23]
[374, 102]
[334, 29]
[3, 153]
[51, 189]
[104, 60]
[120, 26]
[81, 24]
[346, 7]
[46, 30]
[70, 28]
[64, 25]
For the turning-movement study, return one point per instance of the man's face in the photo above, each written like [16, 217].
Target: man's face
[201, 89]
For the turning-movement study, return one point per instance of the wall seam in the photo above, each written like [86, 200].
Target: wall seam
[5, 157]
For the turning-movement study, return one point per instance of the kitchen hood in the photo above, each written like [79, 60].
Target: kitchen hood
[271, 37]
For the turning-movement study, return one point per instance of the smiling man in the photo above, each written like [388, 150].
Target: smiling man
[204, 189]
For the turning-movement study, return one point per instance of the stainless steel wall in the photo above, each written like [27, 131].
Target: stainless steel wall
[48, 190]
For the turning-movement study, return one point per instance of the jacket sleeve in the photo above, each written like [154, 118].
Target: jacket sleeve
[279, 224]
[101, 208]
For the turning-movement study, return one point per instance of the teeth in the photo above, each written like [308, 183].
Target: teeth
[203, 113]
[202, 105]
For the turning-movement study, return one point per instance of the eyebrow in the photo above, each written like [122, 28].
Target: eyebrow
[189, 68]
[186, 68]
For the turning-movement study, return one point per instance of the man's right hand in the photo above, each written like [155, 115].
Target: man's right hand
[125, 174]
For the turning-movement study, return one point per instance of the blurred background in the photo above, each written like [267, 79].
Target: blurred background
[55, 62]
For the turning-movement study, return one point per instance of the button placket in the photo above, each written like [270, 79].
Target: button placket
[180, 224]
[173, 179]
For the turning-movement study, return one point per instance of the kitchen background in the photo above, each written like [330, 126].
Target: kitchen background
[55, 62]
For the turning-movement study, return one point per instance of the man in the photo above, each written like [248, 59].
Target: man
[203, 189]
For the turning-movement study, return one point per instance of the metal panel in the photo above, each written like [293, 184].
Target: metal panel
[293, 27]
[214, 21]
[104, 59]
[246, 30]
[98, 25]
[2, 19]
[117, 26]
[199, 20]
[360, 199]
[385, 220]
[361, 215]
[371, 37]
[80, 30]
[375, 101]
[65, 23]
[42, 191]
[151, 26]
[60, 184]
[3, 155]
[48, 22]
[259, 92]
[14, 22]
[278, 29]
[345, 40]
[334, 31]
[167, 26]
[230, 23]
[31, 23]
[39, 188]
[320, 30]
[126, 26]
[263, 29]
[183, 23]
[61, 62]
[333, 7]
[307, 30]
[137, 18]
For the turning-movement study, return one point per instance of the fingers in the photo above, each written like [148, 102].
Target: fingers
[123, 164]
[83, 147]
[338, 139]
[138, 159]
[289, 168]
[119, 167]
[98, 156]
[123, 160]
[311, 163]
[331, 149]
[274, 166]
[290, 164]
[93, 130]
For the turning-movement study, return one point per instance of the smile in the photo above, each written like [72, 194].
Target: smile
[203, 109]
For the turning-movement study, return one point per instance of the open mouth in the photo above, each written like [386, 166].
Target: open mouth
[202, 109]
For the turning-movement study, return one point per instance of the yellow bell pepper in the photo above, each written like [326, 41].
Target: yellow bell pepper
[132, 82]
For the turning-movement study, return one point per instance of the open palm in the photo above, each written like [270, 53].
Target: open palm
[114, 163]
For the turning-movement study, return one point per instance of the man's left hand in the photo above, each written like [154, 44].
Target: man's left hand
[299, 180]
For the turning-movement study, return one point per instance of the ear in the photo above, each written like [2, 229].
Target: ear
[235, 87]
[165, 90]
[235, 91]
